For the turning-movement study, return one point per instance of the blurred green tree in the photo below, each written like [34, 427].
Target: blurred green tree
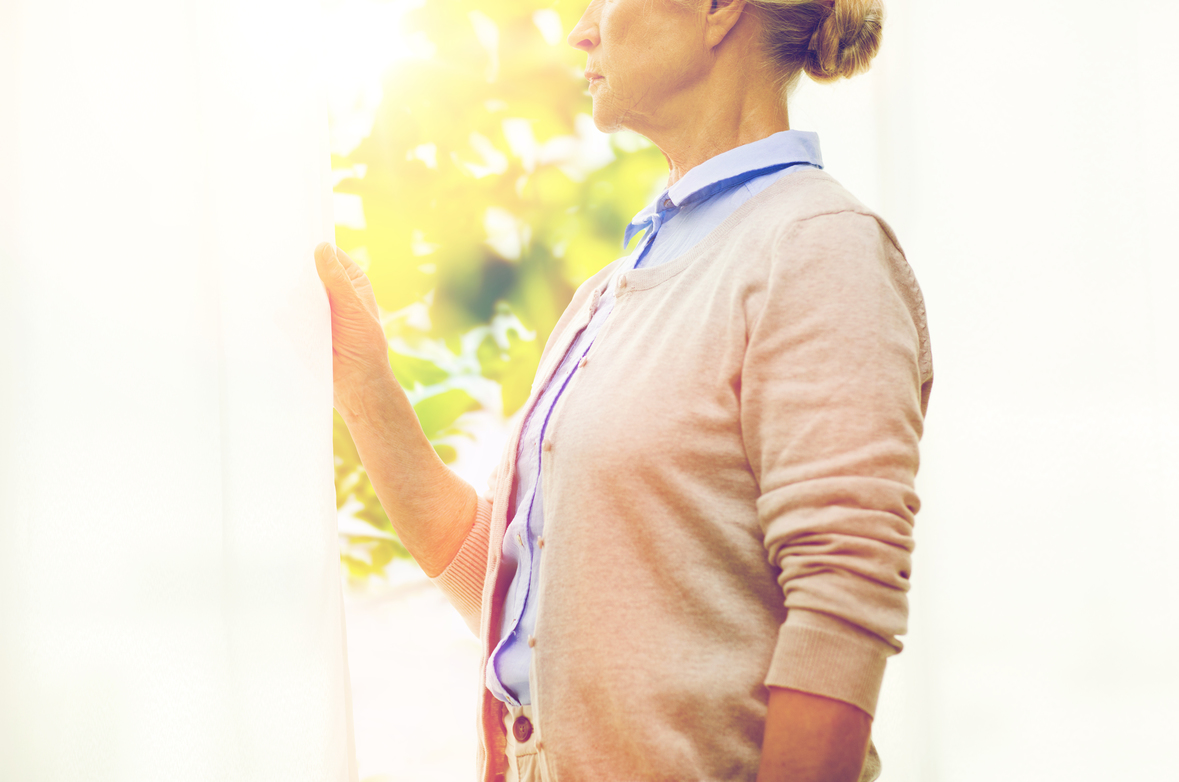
[488, 196]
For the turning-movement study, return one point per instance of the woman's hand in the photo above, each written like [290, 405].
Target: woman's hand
[431, 508]
[359, 349]
[809, 738]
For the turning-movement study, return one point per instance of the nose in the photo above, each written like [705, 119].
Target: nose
[584, 34]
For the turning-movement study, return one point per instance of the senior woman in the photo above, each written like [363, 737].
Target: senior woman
[693, 560]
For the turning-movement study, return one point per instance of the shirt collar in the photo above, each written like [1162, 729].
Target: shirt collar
[730, 169]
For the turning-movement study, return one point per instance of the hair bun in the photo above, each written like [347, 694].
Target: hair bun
[845, 40]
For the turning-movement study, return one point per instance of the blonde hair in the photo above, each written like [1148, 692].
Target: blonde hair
[826, 39]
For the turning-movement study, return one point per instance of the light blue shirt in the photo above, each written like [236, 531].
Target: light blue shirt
[679, 218]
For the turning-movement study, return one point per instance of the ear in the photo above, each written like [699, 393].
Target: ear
[722, 16]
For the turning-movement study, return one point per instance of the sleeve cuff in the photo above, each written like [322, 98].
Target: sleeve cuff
[822, 655]
[462, 580]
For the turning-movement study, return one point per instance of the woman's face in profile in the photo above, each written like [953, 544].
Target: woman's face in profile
[641, 54]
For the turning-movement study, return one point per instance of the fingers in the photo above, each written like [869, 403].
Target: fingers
[326, 263]
[337, 281]
[336, 269]
[323, 252]
[349, 265]
[333, 264]
[347, 286]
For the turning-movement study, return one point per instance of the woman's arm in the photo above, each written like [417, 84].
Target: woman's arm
[809, 738]
[431, 508]
[833, 394]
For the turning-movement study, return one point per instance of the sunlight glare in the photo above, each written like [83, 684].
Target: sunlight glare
[366, 38]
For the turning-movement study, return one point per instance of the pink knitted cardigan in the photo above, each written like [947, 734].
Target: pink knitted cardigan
[728, 493]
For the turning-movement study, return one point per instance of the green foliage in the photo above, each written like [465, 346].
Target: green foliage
[362, 555]
[487, 198]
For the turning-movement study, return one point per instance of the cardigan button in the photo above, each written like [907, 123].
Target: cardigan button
[583, 361]
[540, 544]
[531, 641]
[548, 445]
[522, 729]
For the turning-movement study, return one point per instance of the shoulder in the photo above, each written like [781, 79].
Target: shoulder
[799, 200]
[808, 223]
[808, 232]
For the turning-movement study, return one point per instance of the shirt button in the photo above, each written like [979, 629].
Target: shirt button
[667, 204]
[583, 361]
[520, 540]
[531, 641]
[522, 729]
[621, 281]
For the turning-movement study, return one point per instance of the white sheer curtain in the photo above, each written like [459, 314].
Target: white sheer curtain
[1025, 152]
[169, 592]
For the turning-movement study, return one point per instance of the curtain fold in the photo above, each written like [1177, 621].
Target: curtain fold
[170, 600]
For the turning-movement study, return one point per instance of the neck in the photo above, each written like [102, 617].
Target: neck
[715, 127]
[731, 106]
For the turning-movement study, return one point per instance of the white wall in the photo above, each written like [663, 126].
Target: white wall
[1026, 154]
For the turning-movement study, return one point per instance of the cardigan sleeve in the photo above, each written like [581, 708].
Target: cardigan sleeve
[833, 391]
[462, 580]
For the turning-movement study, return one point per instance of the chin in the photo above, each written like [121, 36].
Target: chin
[607, 116]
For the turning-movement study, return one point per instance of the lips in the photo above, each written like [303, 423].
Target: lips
[593, 77]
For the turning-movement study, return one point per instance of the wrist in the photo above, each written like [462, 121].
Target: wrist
[812, 738]
[364, 395]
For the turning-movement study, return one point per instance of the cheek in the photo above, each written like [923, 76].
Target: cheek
[646, 60]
